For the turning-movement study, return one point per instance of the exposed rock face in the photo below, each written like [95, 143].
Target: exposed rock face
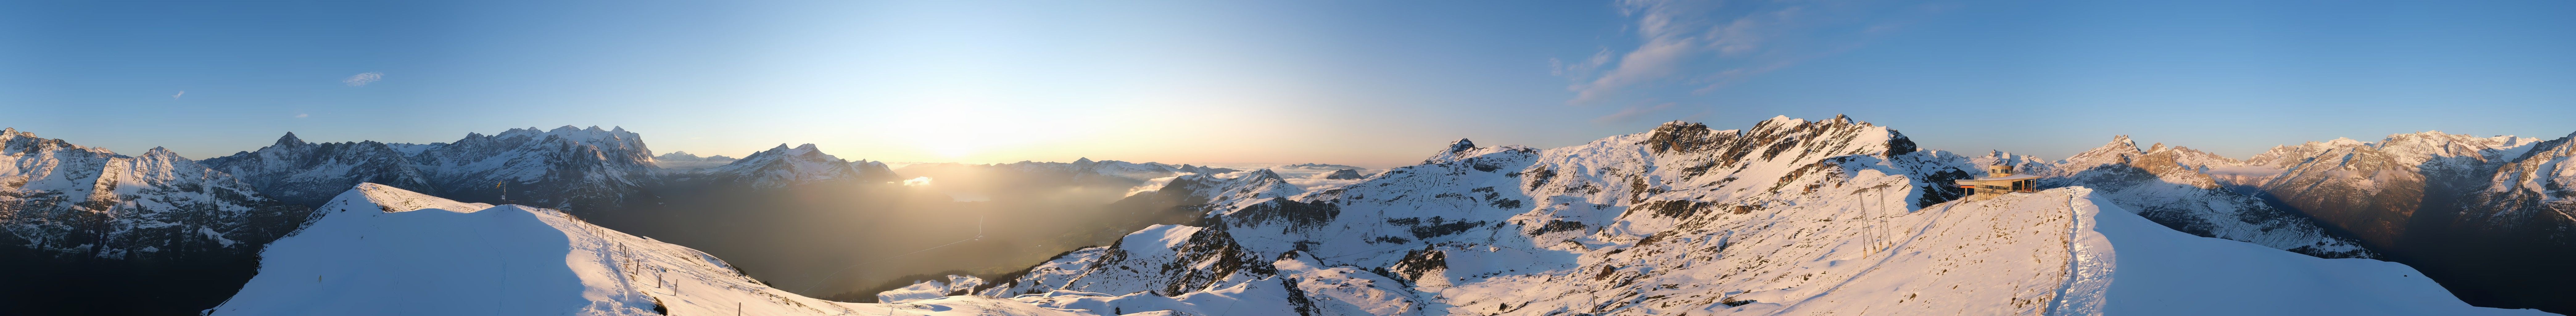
[2174, 186]
[2375, 190]
[1457, 220]
[89, 202]
[2530, 193]
[304, 173]
[2485, 215]
[1790, 217]
[565, 167]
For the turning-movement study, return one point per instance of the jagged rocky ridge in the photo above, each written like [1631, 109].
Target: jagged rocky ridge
[1789, 217]
[80, 201]
[581, 169]
[562, 167]
[2174, 186]
[2489, 216]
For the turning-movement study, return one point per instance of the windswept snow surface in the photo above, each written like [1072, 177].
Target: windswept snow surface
[379, 250]
[1791, 217]
[2159, 271]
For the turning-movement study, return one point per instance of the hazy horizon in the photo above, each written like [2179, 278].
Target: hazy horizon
[856, 155]
[1361, 83]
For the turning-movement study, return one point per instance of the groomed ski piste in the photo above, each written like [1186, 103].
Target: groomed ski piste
[1614, 227]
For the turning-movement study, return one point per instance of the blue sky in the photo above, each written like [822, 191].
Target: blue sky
[1358, 82]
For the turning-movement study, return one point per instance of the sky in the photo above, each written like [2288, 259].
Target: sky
[1370, 83]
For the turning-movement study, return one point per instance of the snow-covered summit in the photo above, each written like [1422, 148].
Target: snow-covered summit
[2181, 188]
[782, 166]
[83, 201]
[382, 250]
[1788, 217]
[568, 165]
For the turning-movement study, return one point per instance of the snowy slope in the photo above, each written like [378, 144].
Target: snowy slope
[89, 202]
[2179, 187]
[1789, 217]
[380, 250]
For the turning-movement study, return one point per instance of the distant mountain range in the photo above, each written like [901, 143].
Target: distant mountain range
[1666, 221]
[1788, 217]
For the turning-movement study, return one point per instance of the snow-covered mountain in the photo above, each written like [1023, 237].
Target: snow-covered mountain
[2375, 189]
[382, 250]
[2486, 215]
[1086, 168]
[783, 166]
[682, 160]
[1788, 217]
[78, 201]
[565, 166]
[2535, 191]
[2175, 186]
[305, 173]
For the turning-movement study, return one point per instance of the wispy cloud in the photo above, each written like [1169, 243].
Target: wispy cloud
[301, 115]
[1701, 45]
[181, 93]
[362, 79]
[1632, 112]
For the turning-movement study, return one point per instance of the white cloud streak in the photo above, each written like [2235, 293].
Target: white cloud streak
[1701, 45]
[181, 93]
[1632, 112]
[362, 79]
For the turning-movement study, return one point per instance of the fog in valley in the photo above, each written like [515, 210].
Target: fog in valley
[848, 240]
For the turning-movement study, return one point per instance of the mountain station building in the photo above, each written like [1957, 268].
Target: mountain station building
[1999, 180]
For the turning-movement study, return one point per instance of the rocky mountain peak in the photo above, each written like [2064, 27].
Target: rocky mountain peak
[2122, 142]
[289, 140]
[160, 151]
[1462, 145]
[1345, 174]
